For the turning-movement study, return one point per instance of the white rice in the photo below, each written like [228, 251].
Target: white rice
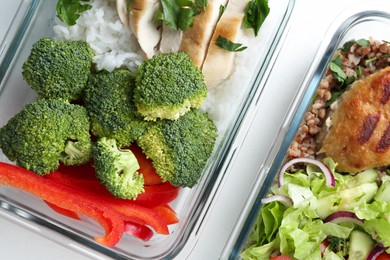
[116, 46]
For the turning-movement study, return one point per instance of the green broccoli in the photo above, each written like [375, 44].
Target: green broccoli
[167, 86]
[179, 149]
[108, 99]
[56, 69]
[45, 133]
[117, 169]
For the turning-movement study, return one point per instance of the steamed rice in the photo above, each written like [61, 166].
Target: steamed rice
[116, 46]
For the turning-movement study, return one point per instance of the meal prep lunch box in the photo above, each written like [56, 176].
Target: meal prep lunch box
[370, 19]
[34, 20]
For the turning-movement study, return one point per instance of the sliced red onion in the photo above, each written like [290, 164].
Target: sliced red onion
[329, 177]
[375, 252]
[342, 217]
[286, 201]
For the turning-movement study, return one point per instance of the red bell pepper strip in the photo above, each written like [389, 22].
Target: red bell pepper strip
[156, 195]
[66, 197]
[140, 214]
[140, 231]
[62, 211]
[167, 213]
[146, 167]
[133, 212]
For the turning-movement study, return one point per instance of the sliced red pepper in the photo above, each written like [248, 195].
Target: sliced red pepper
[85, 171]
[153, 196]
[146, 166]
[140, 214]
[156, 195]
[62, 211]
[140, 231]
[167, 213]
[66, 197]
[134, 212]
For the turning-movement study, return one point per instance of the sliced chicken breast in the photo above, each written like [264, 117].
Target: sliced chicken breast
[123, 11]
[170, 39]
[196, 39]
[359, 137]
[141, 18]
[218, 64]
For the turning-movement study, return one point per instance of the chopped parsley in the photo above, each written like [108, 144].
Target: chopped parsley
[68, 11]
[229, 45]
[179, 14]
[255, 14]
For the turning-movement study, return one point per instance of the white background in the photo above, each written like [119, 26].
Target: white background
[308, 24]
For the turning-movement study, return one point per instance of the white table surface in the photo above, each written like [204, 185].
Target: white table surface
[308, 24]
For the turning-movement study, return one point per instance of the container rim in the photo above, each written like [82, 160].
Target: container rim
[348, 18]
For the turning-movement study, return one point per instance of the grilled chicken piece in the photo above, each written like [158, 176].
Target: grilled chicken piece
[218, 64]
[141, 18]
[196, 39]
[170, 39]
[123, 12]
[359, 136]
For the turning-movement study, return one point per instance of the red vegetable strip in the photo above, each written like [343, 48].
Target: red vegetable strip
[153, 196]
[139, 231]
[146, 216]
[62, 211]
[146, 167]
[135, 213]
[167, 213]
[157, 195]
[66, 197]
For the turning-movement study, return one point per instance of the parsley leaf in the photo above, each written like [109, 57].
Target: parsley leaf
[179, 14]
[255, 14]
[347, 46]
[201, 4]
[229, 45]
[363, 42]
[68, 11]
[336, 66]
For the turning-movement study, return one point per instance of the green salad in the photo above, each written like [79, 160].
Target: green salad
[321, 214]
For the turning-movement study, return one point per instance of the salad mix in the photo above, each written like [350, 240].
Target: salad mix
[305, 218]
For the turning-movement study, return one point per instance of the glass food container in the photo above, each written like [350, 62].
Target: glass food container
[370, 19]
[34, 20]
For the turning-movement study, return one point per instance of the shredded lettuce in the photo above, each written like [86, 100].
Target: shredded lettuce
[299, 230]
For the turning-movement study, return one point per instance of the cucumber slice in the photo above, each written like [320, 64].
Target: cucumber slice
[346, 200]
[360, 245]
[383, 192]
[366, 176]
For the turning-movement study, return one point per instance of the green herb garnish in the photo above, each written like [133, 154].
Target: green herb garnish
[179, 14]
[366, 62]
[255, 14]
[222, 9]
[336, 66]
[229, 45]
[68, 11]
[363, 42]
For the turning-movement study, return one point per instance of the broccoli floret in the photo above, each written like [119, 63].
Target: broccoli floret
[56, 69]
[109, 101]
[117, 169]
[179, 149]
[167, 86]
[45, 133]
